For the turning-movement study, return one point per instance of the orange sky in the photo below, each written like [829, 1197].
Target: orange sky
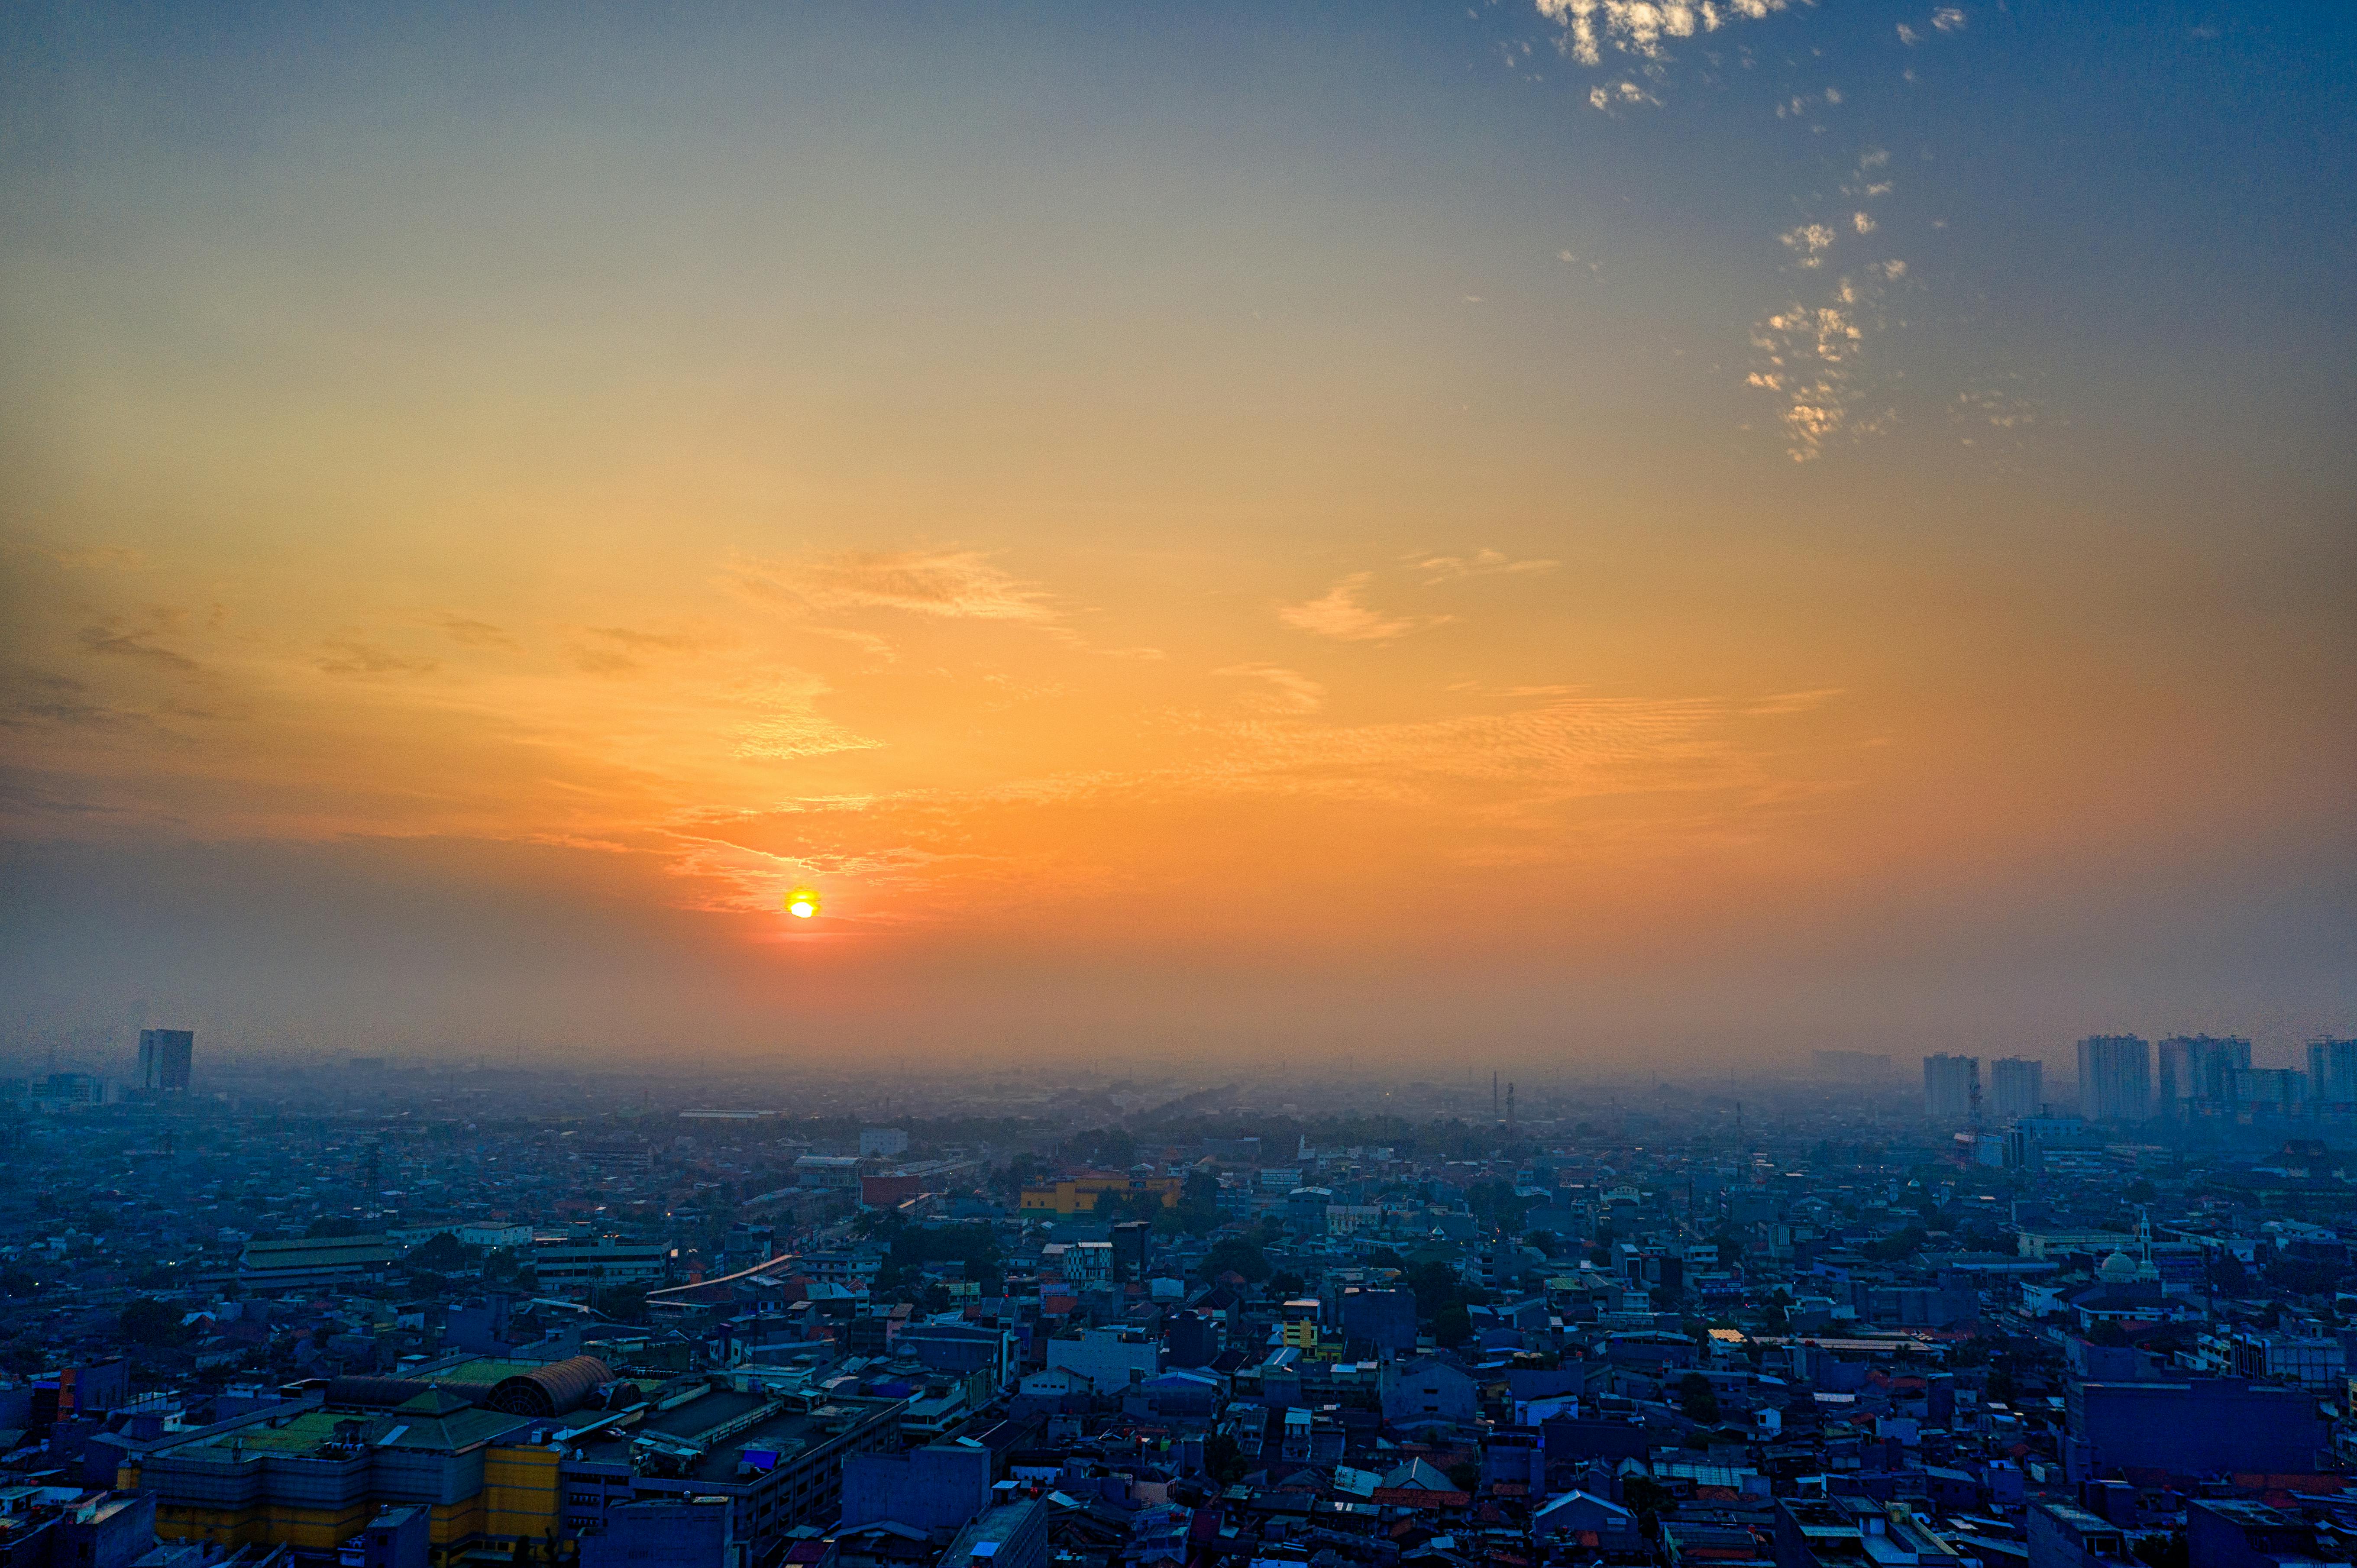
[1169, 578]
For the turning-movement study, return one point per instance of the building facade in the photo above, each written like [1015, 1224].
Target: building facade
[165, 1056]
[2115, 1078]
[1951, 1087]
[2017, 1087]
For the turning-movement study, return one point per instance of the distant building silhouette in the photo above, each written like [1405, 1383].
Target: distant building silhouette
[2197, 1074]
[2115, 1078]
[2333, 1071]
[2017, 1087]
[1871, 1066]
[164, 1058]
[1950, 1085]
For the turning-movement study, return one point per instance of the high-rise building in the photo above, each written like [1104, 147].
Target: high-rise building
[2197, 1073]
[2333, 1071]
[164, 1057]
[1951, 1087]
[2115, 1078]
[2017, 1087]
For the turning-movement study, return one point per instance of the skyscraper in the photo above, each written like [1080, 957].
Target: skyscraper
[2115, 1078]
[2197, 1073]
[164, 1058]
[1950, 1085]
[2333, 1071]
[2017, 1087]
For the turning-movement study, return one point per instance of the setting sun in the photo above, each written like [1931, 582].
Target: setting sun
[802, 903]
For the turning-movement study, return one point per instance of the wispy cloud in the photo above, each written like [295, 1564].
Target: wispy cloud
[1289, 691]
[1338, 613]
[789, 724]
[117, 637]
[476, 633]
[344, 658]
[1481, 563]
[958, 584]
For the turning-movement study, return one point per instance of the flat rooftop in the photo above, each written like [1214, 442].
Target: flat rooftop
[785, 1433]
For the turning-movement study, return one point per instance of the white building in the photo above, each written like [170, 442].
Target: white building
[887, 1142]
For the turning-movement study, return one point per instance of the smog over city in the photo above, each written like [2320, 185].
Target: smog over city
[1515, 784]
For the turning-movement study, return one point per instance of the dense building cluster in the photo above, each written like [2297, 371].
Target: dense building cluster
[410, 1318]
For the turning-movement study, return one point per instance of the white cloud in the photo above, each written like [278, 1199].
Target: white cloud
[1338, 614]
[1639, 26]
[1948, 19]
[1809, 242]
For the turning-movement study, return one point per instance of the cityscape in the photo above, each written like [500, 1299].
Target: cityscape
[390, 1312]
[1177, 784]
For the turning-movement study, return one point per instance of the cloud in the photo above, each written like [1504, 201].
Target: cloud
[360, 659]
[116, 639]
[957, 583]
[476, 633]
[1639, 27]
[1481, 563]
[1784, 702]
[1289, 690]
[1338, 614]
[789, 724]
[1809, 243]
[1948, 19]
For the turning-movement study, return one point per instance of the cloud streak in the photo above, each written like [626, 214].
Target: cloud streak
[1341, 614]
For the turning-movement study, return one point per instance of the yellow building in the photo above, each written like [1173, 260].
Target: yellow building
[1079, 1194]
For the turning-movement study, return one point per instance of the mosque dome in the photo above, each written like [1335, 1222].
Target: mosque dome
[2119, 1268]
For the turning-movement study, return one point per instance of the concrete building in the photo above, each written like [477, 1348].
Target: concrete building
[2333, 1071]
[939, 1486]
[1383, 1318]
[1015, 1536]
[1111, 1359]
[1079, 1194]
[400, 1536]
[165, 1056]
[272, 1268]
[886, 1142]
[2017, 1087]
[2115, 1078]
[1952, 1087]
[2221, 1532]
[2201, 1427]
[687, 1532]
[2196, 1074]
[573, 1265]
[2064, 1535]
[1431, 1390]
[776, 1458]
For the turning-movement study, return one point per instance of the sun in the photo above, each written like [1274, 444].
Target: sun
[802, 903]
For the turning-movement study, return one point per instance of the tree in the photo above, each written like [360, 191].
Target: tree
[1221, 1459]
[1236, 1254]
[333, 1225]
[1452, 1325]
[1466, 1478]
[1287, 1285]
[623, 1304]
[1697, 1399]
[440, 1253]
[146, 1321]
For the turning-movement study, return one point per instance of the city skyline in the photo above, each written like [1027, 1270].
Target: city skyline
[1199, 532]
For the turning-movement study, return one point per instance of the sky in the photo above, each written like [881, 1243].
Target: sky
[1567, 534]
